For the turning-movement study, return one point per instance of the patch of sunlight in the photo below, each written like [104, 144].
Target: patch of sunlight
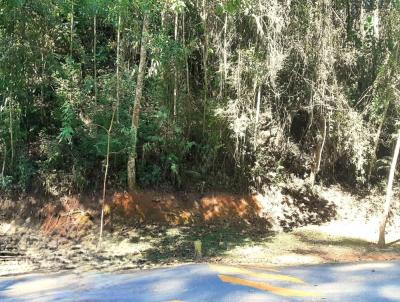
[246, 251]
[285, 241]
[367, 231]
[173, 232]
[361, 266]
[294, 259]
[39, 285]
[281, 291]
[390, 292]
[223, 269]
[127, 247]
[169, 286]
[15, 267]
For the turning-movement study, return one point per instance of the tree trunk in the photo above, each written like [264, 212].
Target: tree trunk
[94, 56]
[376, 20]
[42, 78]
[225, 50]
[118, 63]
[362, 16]
[103, 199]
[71, 29]
[4, 162]
[131, 166]
[257, 116]
[238, 91]
[349, 19]
[205, 62]
[318, 156]
[186, 61]
[389, 193]
[11, 135]
[175, 67]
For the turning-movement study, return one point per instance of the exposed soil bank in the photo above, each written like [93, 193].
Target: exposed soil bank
[156, 229]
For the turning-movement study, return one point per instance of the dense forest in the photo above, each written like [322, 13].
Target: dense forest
[143, 133]
[197, 94]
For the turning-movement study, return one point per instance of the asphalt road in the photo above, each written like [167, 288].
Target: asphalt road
[207, 282]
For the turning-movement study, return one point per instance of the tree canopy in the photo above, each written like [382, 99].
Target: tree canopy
[231, 94]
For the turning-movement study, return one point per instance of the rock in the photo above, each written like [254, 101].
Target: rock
[33, 239]
[52, 245]
[76, 247]
[8, 228]
[63, 241]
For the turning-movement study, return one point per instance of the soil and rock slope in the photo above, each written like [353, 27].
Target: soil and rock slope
[152, 229]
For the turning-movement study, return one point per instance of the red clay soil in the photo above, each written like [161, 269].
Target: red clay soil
[73, 215]
[69, 217]
[180, 208]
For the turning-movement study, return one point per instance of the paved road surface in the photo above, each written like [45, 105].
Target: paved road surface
[207, 282]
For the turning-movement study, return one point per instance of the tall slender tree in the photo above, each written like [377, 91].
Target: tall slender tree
[131, 166]
[389, 194]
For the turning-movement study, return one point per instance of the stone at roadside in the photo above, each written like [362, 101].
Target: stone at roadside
[52, 245]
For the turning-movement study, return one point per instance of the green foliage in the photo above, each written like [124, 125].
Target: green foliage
[253, 82]
[164, 152]
[5, 183]
[25, 172]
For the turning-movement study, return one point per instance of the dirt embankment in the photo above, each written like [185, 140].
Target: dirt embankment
[63, 233]
[293, 208]
[155, 228]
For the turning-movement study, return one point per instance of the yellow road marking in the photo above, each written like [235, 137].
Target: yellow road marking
[287, 292]
[228, 270]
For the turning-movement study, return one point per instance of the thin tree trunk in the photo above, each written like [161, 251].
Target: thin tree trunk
[349, 19]
[186, 63]
[376, 20]
[4, 162]
[225, 50]
[94, 55]
[175, 67]
[239, 76]
[42, 78]
[238, 91]
[71, 29]
[257, 116]
[131, 166]
[103, 199]
[318, 156]
[11, 134]
[362, 14]
[389, 193]
[118, 63]
[322, 146]
[71, 48]
[205, 60]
